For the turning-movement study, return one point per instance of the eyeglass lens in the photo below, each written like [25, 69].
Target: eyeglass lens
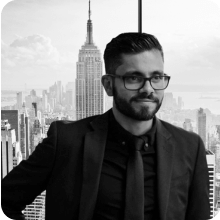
[135, 83]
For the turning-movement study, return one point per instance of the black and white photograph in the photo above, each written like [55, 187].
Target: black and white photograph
[110, 109]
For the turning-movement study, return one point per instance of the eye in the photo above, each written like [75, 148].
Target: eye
[133, 79]
[157, 77]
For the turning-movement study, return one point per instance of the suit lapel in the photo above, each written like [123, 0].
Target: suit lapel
[165, 150]
[94, 148]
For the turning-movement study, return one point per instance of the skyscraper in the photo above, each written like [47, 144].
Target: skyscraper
[187, 125]
[36, 210]
[37, 133]
[201, 124]
[33, 93]
[17, 155]
[70, 94]
[20, 100]
[44, 100]
[180, 103]
[28, 150]
[32, 117]
[59, 92]
[13, 119]
[89, 91]
[27, 131]
[23, 136]
[8, 139]
[211, 168]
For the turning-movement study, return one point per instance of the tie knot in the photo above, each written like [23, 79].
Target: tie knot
[138, 143]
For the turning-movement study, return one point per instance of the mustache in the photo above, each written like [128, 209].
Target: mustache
[145, 96]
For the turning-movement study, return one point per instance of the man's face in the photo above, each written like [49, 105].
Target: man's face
[142, 104]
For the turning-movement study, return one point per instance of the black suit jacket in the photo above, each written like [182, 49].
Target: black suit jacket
[68, 165]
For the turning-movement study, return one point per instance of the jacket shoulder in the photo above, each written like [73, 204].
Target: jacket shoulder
[79, 124]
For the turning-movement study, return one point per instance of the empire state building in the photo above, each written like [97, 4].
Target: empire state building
[89, 90]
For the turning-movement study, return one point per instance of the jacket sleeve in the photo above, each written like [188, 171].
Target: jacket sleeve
[198, 201]
[27, 180]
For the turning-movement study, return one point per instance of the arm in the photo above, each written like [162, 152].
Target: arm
[26, 181]
[198, 201]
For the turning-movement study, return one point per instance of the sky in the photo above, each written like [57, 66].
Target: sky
[41, 39]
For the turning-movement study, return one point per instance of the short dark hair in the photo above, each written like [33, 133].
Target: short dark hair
[128, 43]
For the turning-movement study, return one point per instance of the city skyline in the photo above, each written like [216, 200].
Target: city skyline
[41, 39]
[192, 100]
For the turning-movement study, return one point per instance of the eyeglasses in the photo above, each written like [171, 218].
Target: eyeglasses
[132, 82]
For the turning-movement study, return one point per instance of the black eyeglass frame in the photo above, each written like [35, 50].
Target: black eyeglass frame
[145, 79]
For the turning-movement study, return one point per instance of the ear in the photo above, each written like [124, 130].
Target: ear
[107, 84]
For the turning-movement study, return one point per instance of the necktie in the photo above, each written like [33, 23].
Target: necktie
[134, 199]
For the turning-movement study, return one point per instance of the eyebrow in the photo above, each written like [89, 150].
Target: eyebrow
[137, 73]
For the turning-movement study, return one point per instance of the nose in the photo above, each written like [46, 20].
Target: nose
[147, 87]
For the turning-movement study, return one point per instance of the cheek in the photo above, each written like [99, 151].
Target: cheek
[124, 93]
[121, 92]
[160, 95]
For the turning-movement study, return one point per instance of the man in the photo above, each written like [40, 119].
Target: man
[124, 164]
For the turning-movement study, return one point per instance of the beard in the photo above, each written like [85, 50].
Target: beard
[144, 113]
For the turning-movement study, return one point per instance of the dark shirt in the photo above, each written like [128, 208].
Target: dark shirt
[111, 195]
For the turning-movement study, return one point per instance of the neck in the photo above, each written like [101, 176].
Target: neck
[135, 127]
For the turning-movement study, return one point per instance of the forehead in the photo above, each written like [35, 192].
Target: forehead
[144, 62]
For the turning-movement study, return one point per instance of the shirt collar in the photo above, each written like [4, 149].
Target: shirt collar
[121, 134]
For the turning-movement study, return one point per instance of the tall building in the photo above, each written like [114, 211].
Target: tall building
[201, 124]
[180, 103]
[20, 100]
[28, 150]
[36, 210]
[34, 104]
[28, 101]
[33, 93]
[69, 99]
[187, 125]
[44, 101]
[17, 155]
[37, 133]
[59, 92]
[32, 117]
[13, 119]
[27, 130]
[8, 139]
[89, 91]
[23, 136]
[211, 168]
[46, 128]
[215, 148]
[39, 116]
[52, 96]
[70, 94]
